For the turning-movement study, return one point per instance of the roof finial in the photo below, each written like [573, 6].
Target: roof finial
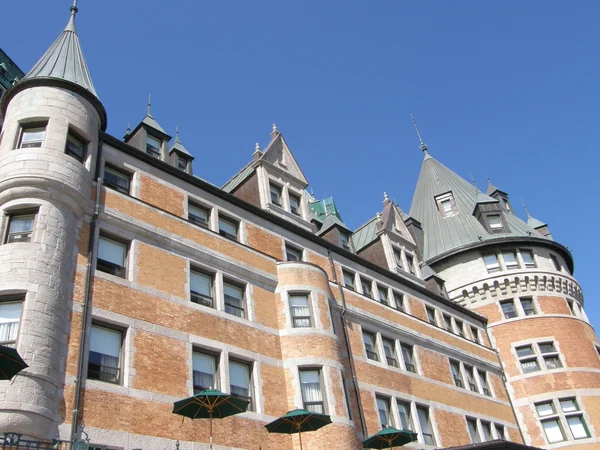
[71, 25]
[274, 128]
[385, 197]
[487, 177]
[473, 181]
[257, 148]
[149, 113]
[176, 133]
[74, 9]
[423, 146]
[128, 129]
[525, 208]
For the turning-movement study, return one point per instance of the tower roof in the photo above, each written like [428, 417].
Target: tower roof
[444, 234]
[64, 59]
[178, 146]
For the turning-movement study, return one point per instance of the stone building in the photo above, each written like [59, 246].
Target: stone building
[128, 283]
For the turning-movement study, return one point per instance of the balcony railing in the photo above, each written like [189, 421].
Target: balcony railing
[14, 441]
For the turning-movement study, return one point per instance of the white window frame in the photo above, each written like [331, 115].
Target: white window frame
[538, 355]
[13, 300]
[561, 417]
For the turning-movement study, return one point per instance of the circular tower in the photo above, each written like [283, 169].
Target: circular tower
[48, 149]
[515, 274]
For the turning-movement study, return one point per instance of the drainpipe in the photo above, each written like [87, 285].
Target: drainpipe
[347, 341]
[86, 299]
[503, 377]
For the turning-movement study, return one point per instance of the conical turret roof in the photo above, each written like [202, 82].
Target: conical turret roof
[444, 234]
[178, 146]
[64, 59]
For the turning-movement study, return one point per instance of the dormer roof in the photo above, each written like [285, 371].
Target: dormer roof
[279, 155]
[178, 147]
[331, 220]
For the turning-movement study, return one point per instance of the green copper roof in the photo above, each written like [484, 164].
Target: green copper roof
[9, 71]
[443, 234]
[365, 234]
[239, 177]
[320, 209]
[64, 59]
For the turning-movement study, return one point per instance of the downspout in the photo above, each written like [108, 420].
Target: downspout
[86, 299]
[347, 341]
[503, 377]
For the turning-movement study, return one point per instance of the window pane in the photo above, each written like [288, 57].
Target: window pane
[544, 409]
[239, 376]
[530, 366]
[472, 426]
[508, 308]
[10, 314]
[547, 347]
[75, 147]
[399, 300]
[577, 427]
[555, 262]
[116, 179]
[528, 307]
[398, 257]
[300, 310]
[491, 263]
[407, 355]
[552, 362]
[383, 294]
[105, 341]
[455, 369]
[390, 352]
[486, 427]
[446, 206]
[383, 407]
[510, 260]
[104, 355]
[499, 431]
[293, 254]
[569, 405]
[201, 283]
[527, 258]
[405, 417]
[234, 299]
[524, 351]
[369, 341]
[423, 414]
[431, 316]
[366, 288]
[21, 223]
[228, 226]
[275, 194]
[553, 431]
[197, 214]
[294, 204]
[349, 279]
[310, 385]
[33, 137]
[204, 368]
[448, 322]
[495, 222]
[112, 251]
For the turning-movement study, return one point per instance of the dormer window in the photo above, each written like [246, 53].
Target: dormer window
[495, 223]
[505, 204]
[275, 194]
[182, 163]
[295, 204]
[152, 146]
[344, 241]
[446, 205]
[411, 264]
[398, 258]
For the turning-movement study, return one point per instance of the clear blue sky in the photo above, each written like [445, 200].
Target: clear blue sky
[509, 88]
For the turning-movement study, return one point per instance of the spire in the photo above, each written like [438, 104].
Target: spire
[149, 113]
[423, 146]
[178, 146]
[150, 121]
[490, 187]
[64, 59]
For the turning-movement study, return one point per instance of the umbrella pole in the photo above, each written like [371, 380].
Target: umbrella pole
[210, 412]
[300, 436]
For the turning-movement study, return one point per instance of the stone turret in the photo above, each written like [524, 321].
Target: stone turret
[48, 154]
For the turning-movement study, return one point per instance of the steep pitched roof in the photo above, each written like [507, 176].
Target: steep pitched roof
[331, 220]
[64, 59]
[150, 121]
[319, 210]
[365, 234]
[239, 177]
[443, 234]
[279, 154]
[178, 146]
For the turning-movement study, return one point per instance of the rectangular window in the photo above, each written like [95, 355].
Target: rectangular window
[228, 228]
[294, 204]
[348, 279]
[473, 433]
[456, 376]
[234, 299]
[105, 354]
[410, 262]
[370, 346]
[470, 379]
[407, 357]
[423, 414]
[383, 408]
[499, 431]
[112, 257]
[204, 371]
[527, 256]
[571, 304]
[527, 358]
[491, 263]
[182, 163]
[555, 262]
[398, 258]
[201, 288]
[510, 260]
[405, 416]
[10, 316]
[550, 355]
[117, 179]
[528, 306]
[475, 334]
[75, 147]
[32, 136]
[486, 427]
[292, 253]
[389, 348]
[448, 323]
[508, 308]
[383, 294]
[431, 315]
[240, 381]
[446, 205]
[459, 327]
[495, 223]
[485, 386]
[152, 146]
[20, 227]
[198, 215]
[345, 241]
[275, 192]
[574, 418]
[312, 394]
[300, 310]
[399, 301]
[366, 287]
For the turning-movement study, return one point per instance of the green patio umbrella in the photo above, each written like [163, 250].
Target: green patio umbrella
[298, 421]
[389, 438]
[11, 362]
[210, 404]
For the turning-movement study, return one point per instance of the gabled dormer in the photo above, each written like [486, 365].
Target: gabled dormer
[334, 230]
[490, 214]
[499, 195]
[274, 181]
[179, 156]
[149, 137]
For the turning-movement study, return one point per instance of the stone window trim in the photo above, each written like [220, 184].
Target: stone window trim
[119, 179]
[470, 378]
[120, 329]
[293, 252]
[446, 205]
[111, 267]
[476, 428]
[9, 328]
[298, 321]
[306, 402]
[566, 414]
[427, 433]
[22, 213]
[39, 125]
[538, 355]
[74, 139]
[213, 353]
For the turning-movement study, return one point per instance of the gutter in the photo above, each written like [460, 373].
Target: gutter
[86, 301]
[361, 413]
